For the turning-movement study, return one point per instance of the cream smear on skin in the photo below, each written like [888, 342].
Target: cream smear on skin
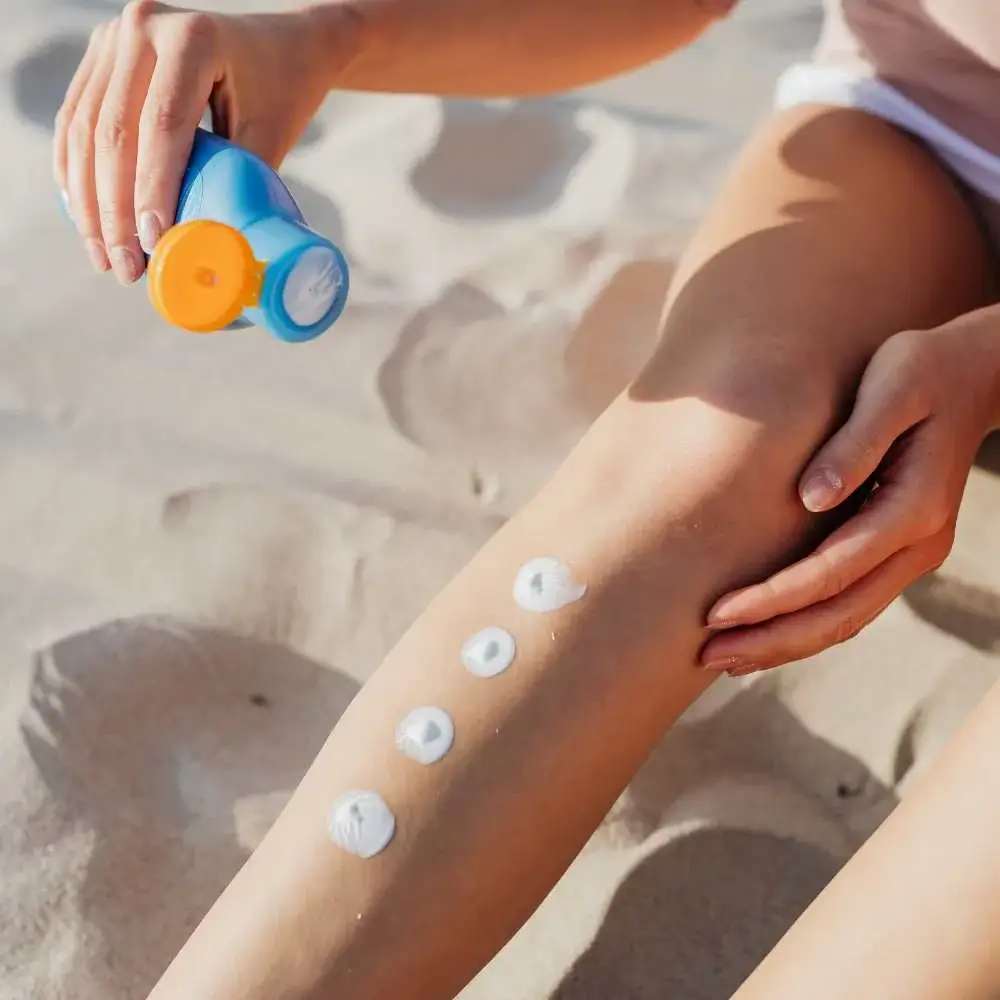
[544, 585]
[425, 735]
[489, 652]
[361, 823]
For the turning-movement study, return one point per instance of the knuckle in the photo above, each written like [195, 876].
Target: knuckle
[831, 579]
[912, 381]
[168, 116]
[80, 136]
[113, 132]
[108, 220]
[942, 548]
[197, 33]
[137, 13]
[767, 592]
[862, 454]
[847, 628]
[933, 517]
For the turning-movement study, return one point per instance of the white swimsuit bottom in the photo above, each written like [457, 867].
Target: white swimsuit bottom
[807, 83]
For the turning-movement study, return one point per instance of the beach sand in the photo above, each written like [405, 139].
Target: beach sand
[207, 544]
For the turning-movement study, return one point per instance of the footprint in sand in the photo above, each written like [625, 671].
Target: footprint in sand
[468, 380]
[967, 611]
[40, 79]
[733, 826]
[159, 755]
[499, 162]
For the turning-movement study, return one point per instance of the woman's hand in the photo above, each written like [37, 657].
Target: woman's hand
[927, 400]
[124, 133]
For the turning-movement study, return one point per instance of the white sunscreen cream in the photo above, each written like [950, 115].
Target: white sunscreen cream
[425, 735]
[489, 652]
[361, 823]
[545, 584]
[311, 287]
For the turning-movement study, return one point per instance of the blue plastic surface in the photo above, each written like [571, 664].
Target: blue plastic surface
[227, 184]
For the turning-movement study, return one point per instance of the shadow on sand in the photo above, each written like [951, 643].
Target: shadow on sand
[176, 746]
[770, 813]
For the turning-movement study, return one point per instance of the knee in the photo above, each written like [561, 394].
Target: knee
[758, 406]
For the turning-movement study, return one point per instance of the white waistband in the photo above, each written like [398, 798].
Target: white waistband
[806, 83]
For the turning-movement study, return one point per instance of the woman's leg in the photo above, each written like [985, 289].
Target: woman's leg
[914, 915]
[834, 233]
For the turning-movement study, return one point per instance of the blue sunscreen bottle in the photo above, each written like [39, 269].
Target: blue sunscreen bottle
[241, 254]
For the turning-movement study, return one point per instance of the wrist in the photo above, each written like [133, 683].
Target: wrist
[989, 336]
[332, 34]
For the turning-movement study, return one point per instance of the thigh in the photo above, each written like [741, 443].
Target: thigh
[834, 231]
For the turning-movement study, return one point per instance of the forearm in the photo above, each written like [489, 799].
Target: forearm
[914, 915]
[497, 48]
[541, 751]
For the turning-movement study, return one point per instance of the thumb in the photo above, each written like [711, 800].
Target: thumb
[885, 408]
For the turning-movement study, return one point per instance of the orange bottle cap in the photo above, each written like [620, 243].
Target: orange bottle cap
[202, 275]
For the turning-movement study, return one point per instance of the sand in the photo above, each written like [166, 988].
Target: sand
[207, 544]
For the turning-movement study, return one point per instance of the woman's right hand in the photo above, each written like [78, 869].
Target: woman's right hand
[124, 133]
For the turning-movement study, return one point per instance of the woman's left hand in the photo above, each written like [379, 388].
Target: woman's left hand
[925, 403]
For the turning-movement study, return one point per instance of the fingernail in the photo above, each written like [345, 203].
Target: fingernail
[727, 613]
[821, 490]
[95, 251]
[65, 201]
[719, 621]
[150, 231]
[125, 265]
[725, 663]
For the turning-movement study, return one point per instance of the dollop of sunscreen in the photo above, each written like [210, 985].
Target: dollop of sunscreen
[489, 652]
[311, 287]
[361, 823]
[545, 584]
[425, 735]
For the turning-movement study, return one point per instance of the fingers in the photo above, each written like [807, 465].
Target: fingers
[902, 513]
[806, 633]
[179, 91]
[126, 128]
[68, 109]
[888, 404]
[80, 185]
[115, 144]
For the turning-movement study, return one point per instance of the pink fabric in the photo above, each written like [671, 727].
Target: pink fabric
[942, 54]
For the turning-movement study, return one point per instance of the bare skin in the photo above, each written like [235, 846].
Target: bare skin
[914, 914]
[834, 233]
[124, 133]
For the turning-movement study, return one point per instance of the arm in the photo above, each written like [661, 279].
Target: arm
[123, 138]
[495, 48]
[914, 914]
